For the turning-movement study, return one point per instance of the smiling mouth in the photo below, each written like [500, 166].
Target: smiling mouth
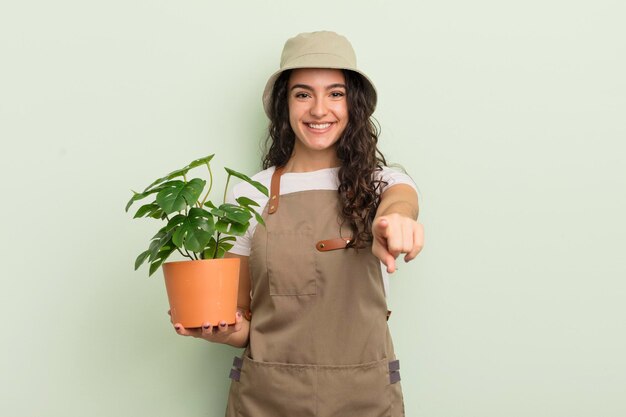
[319, 126]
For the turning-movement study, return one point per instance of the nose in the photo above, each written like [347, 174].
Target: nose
[319, 108]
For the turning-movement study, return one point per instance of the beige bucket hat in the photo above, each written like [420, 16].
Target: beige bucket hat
[322, 49]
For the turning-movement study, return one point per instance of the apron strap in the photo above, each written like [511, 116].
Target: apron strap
[332, 244]
[275, 190]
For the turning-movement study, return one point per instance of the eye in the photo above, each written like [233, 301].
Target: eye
[301, 94]
[337, 94]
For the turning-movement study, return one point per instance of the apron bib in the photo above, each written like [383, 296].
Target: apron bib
[319, 340]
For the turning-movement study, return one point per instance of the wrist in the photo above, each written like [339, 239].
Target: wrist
[401, 208]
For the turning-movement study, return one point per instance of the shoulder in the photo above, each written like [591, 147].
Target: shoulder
[291, 182]
[392, 176]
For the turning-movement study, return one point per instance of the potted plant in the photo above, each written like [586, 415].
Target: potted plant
[203, 288]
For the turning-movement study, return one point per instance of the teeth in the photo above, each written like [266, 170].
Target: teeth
[319, 126]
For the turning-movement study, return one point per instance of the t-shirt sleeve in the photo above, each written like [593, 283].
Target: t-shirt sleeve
[393, 176]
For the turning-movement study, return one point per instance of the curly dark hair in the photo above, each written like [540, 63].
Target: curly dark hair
[359, 186]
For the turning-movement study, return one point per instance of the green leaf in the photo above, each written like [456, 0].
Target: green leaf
[141, 259]
[162, 232]
[209, 250]
[246, 202]
[249, 205]
[138, 196]
[149, 210]
[225, 246]
[220, 253]
[235, 213]
[177, 195]
[222, 248]
[235, 229]
[193, 231]
[252, 210]
[175, 222]
[161, 257]
[199, 161]
[249, 180]
[162, 238]
[259, 218]
[238, 229]
[222, 226]
[217, 212]
[182, 171]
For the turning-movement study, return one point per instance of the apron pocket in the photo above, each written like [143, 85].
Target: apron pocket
[291, 262]
[269, 389]
[354, 390]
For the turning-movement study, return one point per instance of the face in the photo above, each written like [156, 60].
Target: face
[318, 109]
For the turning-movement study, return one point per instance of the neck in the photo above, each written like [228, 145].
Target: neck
[302, 161]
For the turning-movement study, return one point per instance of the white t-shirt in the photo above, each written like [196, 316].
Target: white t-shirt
[291, 182]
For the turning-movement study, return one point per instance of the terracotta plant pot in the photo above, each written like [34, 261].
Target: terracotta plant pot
[202, 291]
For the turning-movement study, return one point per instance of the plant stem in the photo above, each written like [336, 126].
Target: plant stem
[210, 185]
[217, 245]
[226, 187]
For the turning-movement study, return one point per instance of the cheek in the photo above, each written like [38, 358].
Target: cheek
[342, 111]
[293, 121]
[295, 112]
[291, 114]
[344, 116]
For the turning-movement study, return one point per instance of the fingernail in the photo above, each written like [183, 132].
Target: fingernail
[222, 323]
[238, 314]
[177, 328]
[206, 326]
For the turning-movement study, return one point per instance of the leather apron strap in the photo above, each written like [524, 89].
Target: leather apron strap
[275, 190]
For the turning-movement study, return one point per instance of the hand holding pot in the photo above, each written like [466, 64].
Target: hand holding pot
[235, 334]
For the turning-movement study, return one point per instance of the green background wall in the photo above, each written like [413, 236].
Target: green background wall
[509, 115]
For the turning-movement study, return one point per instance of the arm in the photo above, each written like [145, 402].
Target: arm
[395, 229]
[235, 335]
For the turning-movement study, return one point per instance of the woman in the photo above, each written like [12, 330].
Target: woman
[312, 311]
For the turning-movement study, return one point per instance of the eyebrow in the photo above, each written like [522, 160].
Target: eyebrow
[308, 87]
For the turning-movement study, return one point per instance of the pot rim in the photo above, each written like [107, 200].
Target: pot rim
[202, 260]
